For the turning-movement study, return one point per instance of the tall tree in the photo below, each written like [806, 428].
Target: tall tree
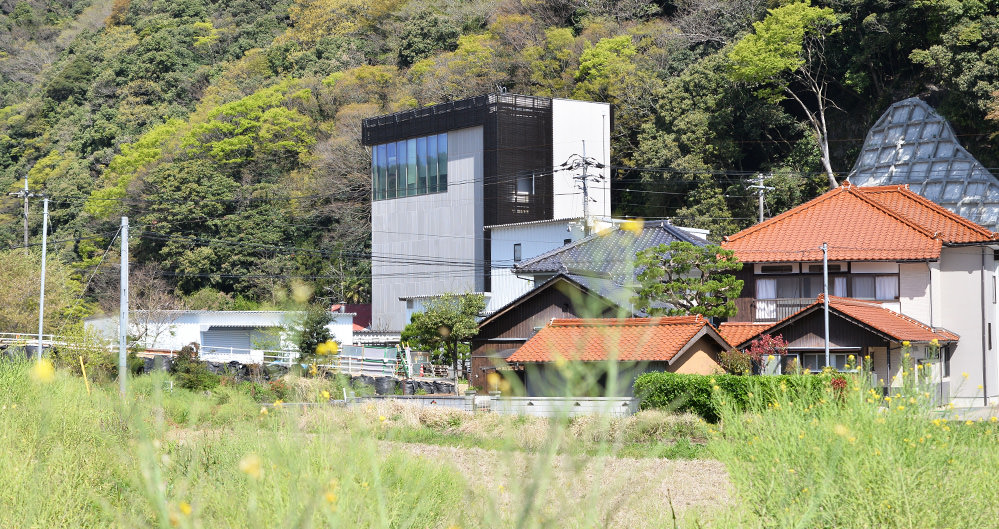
[446, 321]
[786, 53]
[681, 278]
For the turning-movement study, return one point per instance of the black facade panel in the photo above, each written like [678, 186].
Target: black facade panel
[518, 146]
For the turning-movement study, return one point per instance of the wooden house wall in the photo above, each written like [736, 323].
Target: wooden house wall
[744, 303]
[809, 332]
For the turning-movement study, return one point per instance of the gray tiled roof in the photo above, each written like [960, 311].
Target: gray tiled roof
[609, 253]
[912, 144]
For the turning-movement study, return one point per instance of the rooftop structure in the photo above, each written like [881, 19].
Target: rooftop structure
[889, 223]
[912, 144]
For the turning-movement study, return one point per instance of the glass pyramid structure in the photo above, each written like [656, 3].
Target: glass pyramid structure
[912, 144]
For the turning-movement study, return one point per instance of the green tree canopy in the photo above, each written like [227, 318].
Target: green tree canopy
[446, 321]
[785, 55]
[681, 278]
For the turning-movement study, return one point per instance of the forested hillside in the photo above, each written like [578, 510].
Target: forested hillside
[229, 130]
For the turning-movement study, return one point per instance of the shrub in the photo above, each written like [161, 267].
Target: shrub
[736, 362]
[697, 393]
[192, 373]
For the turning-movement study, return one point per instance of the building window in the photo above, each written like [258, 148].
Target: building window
[516, 253]
[816, 361]
[776, 269]
[566, 241]
[417, 166]
[525, 184]
[876, 287]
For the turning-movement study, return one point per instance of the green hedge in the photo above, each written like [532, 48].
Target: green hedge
[694, 393]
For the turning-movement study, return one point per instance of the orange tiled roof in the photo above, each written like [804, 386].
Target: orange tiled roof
[894, 324]
[629, 339]
[737, 332]
[870, 313]
[887, 223]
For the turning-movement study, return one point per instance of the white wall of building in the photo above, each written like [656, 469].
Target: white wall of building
[966, 287]
[534, 238]
[429, 244]
[172, 330]
[572, 123]
[914, 291]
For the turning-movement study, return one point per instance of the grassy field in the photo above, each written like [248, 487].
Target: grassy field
[69, 458]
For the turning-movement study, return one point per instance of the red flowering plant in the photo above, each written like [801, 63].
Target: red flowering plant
[765, 348]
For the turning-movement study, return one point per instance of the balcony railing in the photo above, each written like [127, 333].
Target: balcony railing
[777, 309]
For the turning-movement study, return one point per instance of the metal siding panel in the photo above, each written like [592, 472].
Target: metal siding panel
[224, 338]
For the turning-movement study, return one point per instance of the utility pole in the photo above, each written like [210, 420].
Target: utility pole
[576, 162]
[825, 295]
[123, 310]
[761, 189]
[25, 194]
[586, 193]
[41, 295]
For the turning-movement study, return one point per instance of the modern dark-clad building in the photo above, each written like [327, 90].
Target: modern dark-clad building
[441, 174]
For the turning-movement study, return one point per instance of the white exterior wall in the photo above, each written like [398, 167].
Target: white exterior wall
[914, 291]
[174, 329]
[430, 244]
[572, 123]
[534, 239]
[966, 286]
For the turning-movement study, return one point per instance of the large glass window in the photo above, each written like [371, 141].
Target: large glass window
[442, 162]
[416, 166]
[421, 166]
[431, 164]
[411, 173]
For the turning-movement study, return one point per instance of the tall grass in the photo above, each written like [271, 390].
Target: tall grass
[857, 460]
[178, 458]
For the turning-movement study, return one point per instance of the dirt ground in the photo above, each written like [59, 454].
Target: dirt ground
[594, 491]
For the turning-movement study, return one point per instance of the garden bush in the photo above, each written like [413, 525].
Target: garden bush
[696, 393]
[190, 372]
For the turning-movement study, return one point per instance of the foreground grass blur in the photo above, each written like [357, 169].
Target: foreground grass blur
[217, 459]
[858, 461]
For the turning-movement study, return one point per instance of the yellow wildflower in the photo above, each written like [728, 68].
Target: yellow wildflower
[263, 410]
[905, 343]
[969, 422]
[325, 395]
[279, 403]
[250, 465]
[633, 225]
[993, 419]
[184, 508]
[382, 418]
[43, 371]
[964, 374]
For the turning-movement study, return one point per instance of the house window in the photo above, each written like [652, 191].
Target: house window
[816, 361]
[993, 289]
[416, 166]
[516, 253]
[776, 269]
[990, 336]
[566, 241]
[817, 269]
[876, 287]
[409, 304]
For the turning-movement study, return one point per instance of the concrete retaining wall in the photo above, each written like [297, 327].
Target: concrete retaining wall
[533, 406]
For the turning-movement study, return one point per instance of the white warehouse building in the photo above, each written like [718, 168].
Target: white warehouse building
[244, 336]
